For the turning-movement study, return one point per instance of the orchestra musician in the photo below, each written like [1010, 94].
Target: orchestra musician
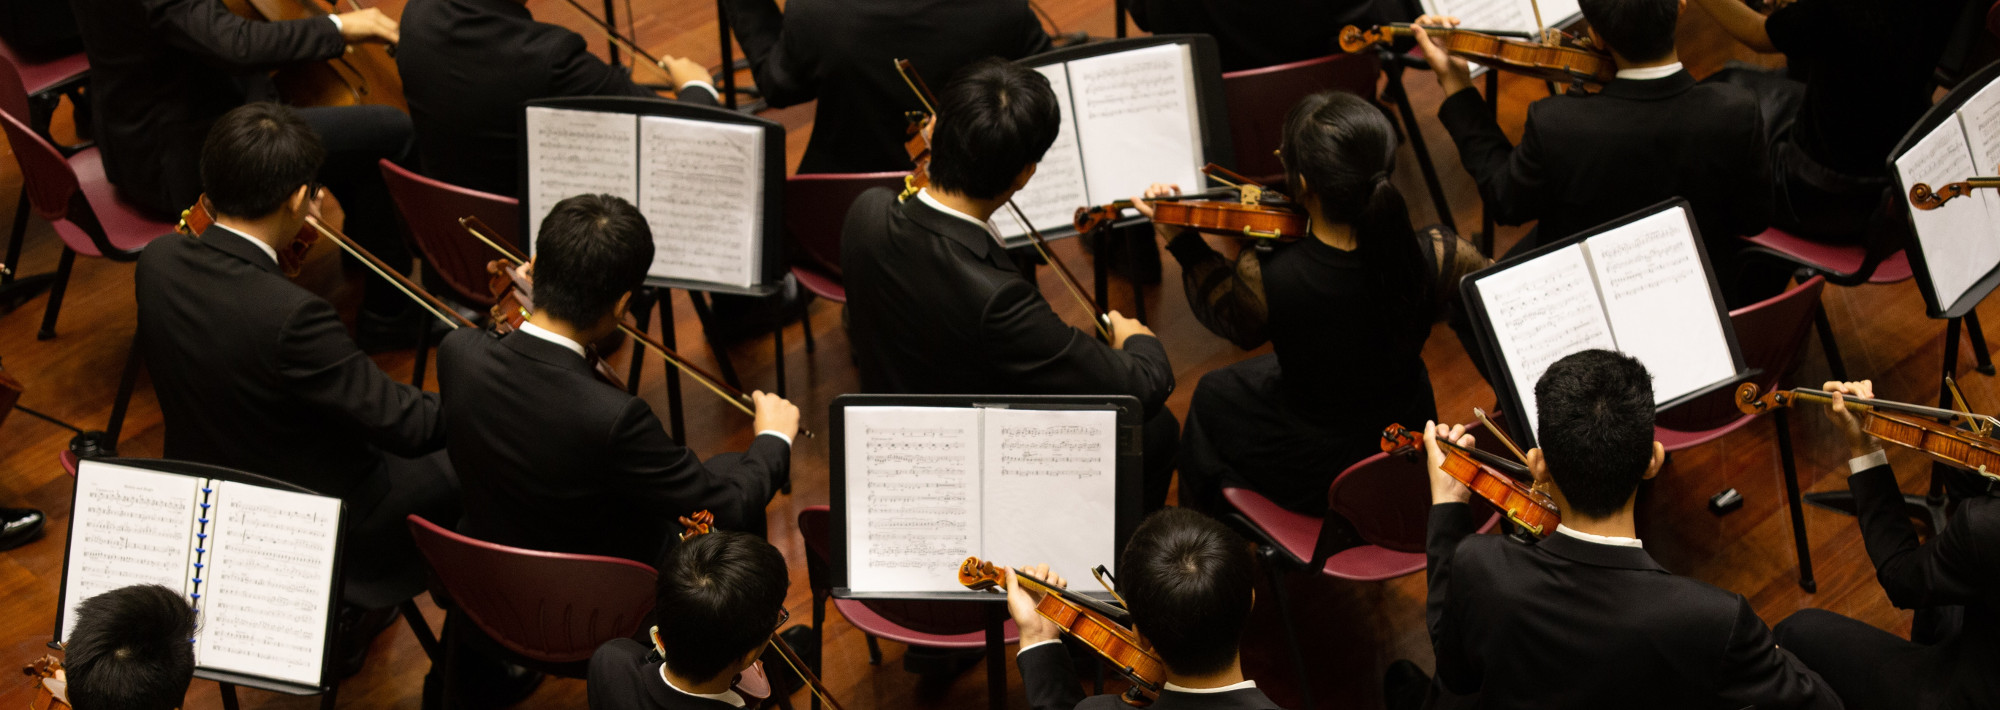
[1347, 311]
[843, 54]
[130, 650]
[1188, 581]
[935, 304]
[1272, 32]
[721, 598]
[469, 65]
[1585, 617]
[1950, 579]
[258, 374]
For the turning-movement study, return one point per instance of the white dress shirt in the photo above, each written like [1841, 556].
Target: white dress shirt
[1599, 539]
[268, 251]
[1660, 72]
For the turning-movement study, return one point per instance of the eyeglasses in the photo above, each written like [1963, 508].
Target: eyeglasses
[784, 615]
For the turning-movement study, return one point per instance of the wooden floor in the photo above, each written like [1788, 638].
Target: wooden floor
[1351, 631]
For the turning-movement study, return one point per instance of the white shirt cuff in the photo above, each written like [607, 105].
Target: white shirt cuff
[337, 26]
[701, 84]
[1038, 644]
[1867, 461]
[776, 433]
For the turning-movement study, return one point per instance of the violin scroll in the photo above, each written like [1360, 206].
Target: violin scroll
[1923, 198]
[977, 575]
[1354, 39]
[1749, 402]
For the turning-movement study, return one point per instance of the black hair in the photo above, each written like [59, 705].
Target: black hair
[131, 649]
[720, 597]
[1187, 580]
[591, 250]
[1638, 30]
[1595, 423]
[1343, 148]
[995, 119]
[255, 157]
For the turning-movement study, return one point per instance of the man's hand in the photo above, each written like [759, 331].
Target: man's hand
[1444, 488]
[774, 413]
[1021, 603]
[684, 71]
[1453, 73]
[368, 25]
[1145, 207]
[1122, 328]
[1859, 443]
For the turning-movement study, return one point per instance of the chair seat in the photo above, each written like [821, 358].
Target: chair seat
[874, 624]
[41, 75]
[1839, 258]
[1298, 533]
[128, 227]
[820, 283]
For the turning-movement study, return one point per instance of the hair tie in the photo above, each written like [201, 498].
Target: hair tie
[1381, 176]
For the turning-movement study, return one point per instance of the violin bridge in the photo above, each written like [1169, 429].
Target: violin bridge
[1251, 194]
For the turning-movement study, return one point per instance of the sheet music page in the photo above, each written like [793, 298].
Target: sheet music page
[1051, 197]
[269, 580]
[1960, 239]
[131, 526]
[913, 497]
[1661, 309]
[1516, 15]
[701, 188]
[1542, 310]
[1136, 120]
[1980, 117]
[574, 153]
[1052, 489]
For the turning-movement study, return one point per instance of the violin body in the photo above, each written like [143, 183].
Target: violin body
[1945, 443]
[1548, 62]
[365, 74]
[51, 687]
[1233, 219]
[1117, 644]
[513, 303]
[197, 219]
[1532, 510]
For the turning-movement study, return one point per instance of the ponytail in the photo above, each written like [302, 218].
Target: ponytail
[1342, 147]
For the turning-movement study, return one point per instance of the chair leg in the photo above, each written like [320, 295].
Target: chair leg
[1793, 500]
[806, 325]
[1830, 346]
[20, 234]
[819, 659]
[1277, 576]
[874, 650]
[1981, 359]
[420, 628]
[56, 294]
[330, 699]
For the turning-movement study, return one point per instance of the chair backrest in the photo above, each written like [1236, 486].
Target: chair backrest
[940, 618]
[1387, 497]
[13, 89]
[548, 607]
[48, 179]
[1258, 100]
[431, 210]
[1771, 332]
[816, 208]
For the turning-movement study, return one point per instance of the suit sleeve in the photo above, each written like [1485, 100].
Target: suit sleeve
[1041, 353]
[1450, 524]
[322, 365]
[1937, 573]
[1756, 673]
[784, 58]
[574, 71]
[664, 475]
[1511, 178]
[206, 28]
[1049, 678]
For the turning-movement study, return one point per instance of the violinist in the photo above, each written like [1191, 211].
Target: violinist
[469, 65]
[935, 304]
[1188, 581]
[130, 650]
[258, 374]
[1952, 580]
[1347, 310]
[721, 598]
[1585, 617]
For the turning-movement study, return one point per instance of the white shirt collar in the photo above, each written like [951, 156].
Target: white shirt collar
[551, 336]
[925, 196]
[727, 696]
[1245, 685]
[268, 251]
[1599, 539]
[1660, 72]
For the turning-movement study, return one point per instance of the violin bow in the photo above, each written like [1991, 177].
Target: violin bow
[437, 308]
[1924, 198]
[1501, 435]
[611, 33]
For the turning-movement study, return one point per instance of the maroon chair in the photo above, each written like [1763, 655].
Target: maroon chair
[1258, 100]
[815, 209]
[31, 92]
[1879, 260]
[430, 210]
[948, 625]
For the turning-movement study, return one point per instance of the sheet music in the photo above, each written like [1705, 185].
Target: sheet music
[1136, 121]
[1051, 197]
[1980, 117]
[1660, 307]
[913, 496]
[701, 188]
[1517, 15]
[269, 581]
[1960, 239]
[1051, 489]
[1541, 311]
[574, 153]
[131, 526]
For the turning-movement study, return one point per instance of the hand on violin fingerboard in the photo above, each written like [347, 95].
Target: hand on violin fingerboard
[1453, 73]
[1021, 603]
[1859, 443]
[1444, 488]
[1144, 205]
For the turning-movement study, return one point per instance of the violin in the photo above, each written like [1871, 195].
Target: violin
[291, 260]
[1547, 59]
[1956, 438]
[1493, 478]
[1098, 625]
[1258, 213]
[364, 74]
[51, 687]
[703, 523]
[1923, 198]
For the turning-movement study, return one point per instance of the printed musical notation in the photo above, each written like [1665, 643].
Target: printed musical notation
[701, 188]
[913, 487]
[1136, 121]
[132, 526]
[1659, 304]
[1960, 240]
[1542, 310]
[1051, 197]
[269, 582]
[578, 153]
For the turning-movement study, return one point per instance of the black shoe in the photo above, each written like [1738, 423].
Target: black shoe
[1404, 686]
[357, 628]
[19, 526]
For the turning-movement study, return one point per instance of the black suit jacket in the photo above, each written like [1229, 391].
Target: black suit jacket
[1960, 566]
[1565, 623]
[622, 679]
[935, 306]
[1586, 160]
[255, 373]
[467, 67]
[162, 71]
[552, 459]
[1256, 34]
[842, 53]
[1050, 680]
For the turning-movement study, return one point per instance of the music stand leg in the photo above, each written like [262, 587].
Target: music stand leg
[1792, 502]
[706, 315]
[229, 701]
[611, 20]
[1399, 96]
[996, 656]
[1487, 238]
[1982, 359]
[723, 37]
[1118, 11]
